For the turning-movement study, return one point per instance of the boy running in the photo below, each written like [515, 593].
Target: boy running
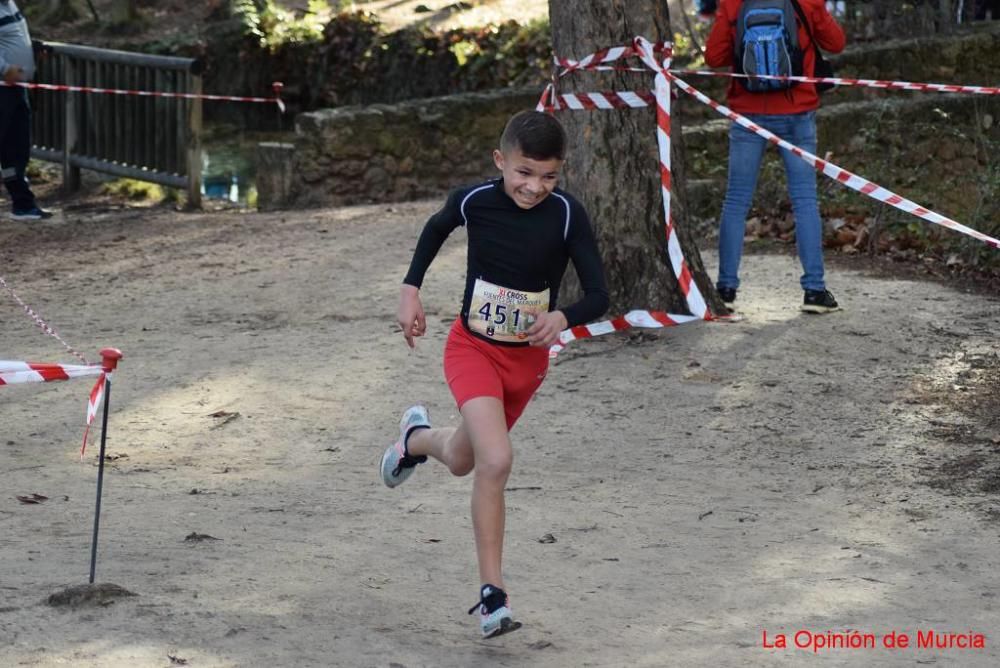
[522, 232]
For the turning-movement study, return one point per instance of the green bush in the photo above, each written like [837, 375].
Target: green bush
[135, 191]
[354, 60]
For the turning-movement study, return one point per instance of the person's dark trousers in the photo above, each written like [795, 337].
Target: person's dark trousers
[984, 6]
[15, 145]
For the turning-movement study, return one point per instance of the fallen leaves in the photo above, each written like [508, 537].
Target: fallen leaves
[223, 418]
[195, 537]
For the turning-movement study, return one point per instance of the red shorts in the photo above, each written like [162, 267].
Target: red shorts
[477, 368]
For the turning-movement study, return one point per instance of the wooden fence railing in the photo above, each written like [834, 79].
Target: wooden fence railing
[156, 139]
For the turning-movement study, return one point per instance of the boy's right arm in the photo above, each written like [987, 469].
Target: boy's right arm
[410, 313]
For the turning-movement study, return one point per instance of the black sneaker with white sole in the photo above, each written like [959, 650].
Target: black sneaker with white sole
[33, 213]
[819, 301]
[495, 616]
[397, 463]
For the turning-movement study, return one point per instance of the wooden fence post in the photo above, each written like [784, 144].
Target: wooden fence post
[71, 174]
[194, 144]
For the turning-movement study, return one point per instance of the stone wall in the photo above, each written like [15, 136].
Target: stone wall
[388, 153]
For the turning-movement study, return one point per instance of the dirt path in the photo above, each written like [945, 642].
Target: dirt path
[702, 487]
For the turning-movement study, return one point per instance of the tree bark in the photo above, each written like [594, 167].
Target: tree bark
[61, 11]
[125, 11]
[613, 166]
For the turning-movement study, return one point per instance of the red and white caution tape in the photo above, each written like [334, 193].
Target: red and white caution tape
[851, 180]
[595, 59]
[12, 373]
[551, 101]
[646, 319]
[839, 174]
[605, 100]
[41, 323]
[277, 85]
[93, 403]
[695, 301]
[599, 59]
[843, 81]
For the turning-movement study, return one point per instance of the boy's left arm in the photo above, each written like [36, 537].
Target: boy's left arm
[545, 332]
[582, 250]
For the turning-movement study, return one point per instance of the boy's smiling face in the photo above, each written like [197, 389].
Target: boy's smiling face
[525, 180]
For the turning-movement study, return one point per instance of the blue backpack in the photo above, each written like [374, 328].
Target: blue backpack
[767, 42]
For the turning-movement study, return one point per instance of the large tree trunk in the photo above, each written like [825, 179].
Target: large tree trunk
[613, 164]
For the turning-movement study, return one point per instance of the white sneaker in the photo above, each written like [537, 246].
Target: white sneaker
[495, 616]
[397, 464]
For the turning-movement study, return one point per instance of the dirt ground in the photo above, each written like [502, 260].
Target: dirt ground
[676, 495]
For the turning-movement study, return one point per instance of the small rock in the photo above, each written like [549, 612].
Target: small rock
[88, 595]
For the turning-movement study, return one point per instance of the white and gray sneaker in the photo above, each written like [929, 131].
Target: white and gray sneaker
[495, 616]
[397, 463]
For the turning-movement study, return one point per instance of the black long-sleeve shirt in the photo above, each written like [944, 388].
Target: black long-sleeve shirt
[521, 249]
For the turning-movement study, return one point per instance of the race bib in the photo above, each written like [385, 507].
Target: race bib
[503, 314]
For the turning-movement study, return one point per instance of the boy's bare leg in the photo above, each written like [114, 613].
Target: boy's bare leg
[484, 421]
[449, 446]
[480, 443]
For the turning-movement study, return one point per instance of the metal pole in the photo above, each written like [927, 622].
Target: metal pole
[111, 357]
[100, 479]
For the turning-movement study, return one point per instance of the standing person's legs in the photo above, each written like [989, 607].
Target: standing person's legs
[8, 102]
[801, 131]
[746, 150]
[15, 146]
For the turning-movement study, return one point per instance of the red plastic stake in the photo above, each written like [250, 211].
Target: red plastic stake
[109, 358]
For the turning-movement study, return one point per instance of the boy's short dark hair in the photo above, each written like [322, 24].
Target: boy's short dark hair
[537, 135]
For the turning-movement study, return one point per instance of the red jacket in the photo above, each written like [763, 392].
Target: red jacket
[803, 97]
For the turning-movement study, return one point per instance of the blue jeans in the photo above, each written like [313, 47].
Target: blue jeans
[746, 150]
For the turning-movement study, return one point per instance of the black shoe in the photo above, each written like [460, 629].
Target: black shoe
[34, 213]
[728, 294]
[819, 301]
[495, 617]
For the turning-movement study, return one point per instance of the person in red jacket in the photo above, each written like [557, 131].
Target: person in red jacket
[790, 114]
